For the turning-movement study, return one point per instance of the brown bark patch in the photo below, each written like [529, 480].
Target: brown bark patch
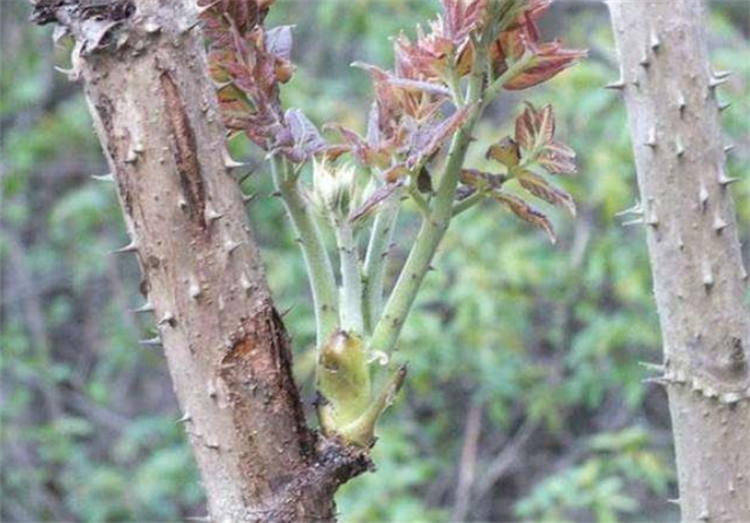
[184, 150]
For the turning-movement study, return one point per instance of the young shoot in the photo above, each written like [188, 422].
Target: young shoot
[419, 129]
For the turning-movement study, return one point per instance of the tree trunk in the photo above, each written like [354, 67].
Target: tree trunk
[154, 108]
[699, 278]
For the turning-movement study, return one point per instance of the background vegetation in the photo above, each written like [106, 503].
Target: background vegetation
[525, 400]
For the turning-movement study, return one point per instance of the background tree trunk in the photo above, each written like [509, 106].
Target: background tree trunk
[154, 108]
[699, 279]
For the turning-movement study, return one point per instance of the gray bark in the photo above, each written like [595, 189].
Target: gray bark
[699, 278]
[155, 112]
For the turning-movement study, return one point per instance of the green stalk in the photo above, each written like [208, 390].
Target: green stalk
[352, 320]
[468, 202]
[317, 261]
[375, 260]
[387, 330]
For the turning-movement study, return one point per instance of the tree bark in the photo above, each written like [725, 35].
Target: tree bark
[154, 108]
[699, 279]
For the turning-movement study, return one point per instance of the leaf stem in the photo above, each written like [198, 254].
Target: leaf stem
[468, 202]
[375, 260]
[317, 261]
[352, 319]
[387, 330]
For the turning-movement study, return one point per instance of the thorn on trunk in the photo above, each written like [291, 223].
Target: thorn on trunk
[703, 196]
[618, 85]
[679, 148]
[146, 307]
[708, 277]
[681, 102]
[719, 223]
[725, 180]
[651, 141]
[728, 148]
[131, 247]
[194, 289]
[248, 198]
[167, 319]
[724, 106]
[631, 223]
[286, 311]
[645, 61]
[721, 75]
[230, 163]
[104, 177]
[636, 209]
[212, 214]
[185, 418]
[655, 41]
[245, 283]
[151, 342]
[715, 82]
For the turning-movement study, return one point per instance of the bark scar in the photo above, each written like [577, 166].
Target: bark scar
[724, 367]
[184, 149]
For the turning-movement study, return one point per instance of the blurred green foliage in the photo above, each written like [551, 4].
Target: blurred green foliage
[545, 340]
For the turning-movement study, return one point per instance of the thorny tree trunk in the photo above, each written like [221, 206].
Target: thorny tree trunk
[145, 77]
[699, 279]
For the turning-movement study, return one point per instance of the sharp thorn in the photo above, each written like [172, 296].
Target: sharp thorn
[655, 367]
[681, 102]
[631, 223]
[247, 198]
[146, 307]
[230, 163]
[724, 181]
[212, 215]
[679, 148]
[703, 197]
[724, 106]
[721, 75]
[719, 223]
[715, 82]
[167, 319]
[728, 148]
[185, 418]
[103, 177]
[131, 247]
[618, 85]
[286, 311]
[636, 209]
[151, 342]
[655, 42]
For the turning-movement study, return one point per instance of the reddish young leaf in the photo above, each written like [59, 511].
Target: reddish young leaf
[540, 188]
[525, 212]
[374, 201]
[549, 60]
[522, 36]
[557, 158]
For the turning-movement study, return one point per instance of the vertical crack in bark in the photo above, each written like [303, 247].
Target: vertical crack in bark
[184, 150]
